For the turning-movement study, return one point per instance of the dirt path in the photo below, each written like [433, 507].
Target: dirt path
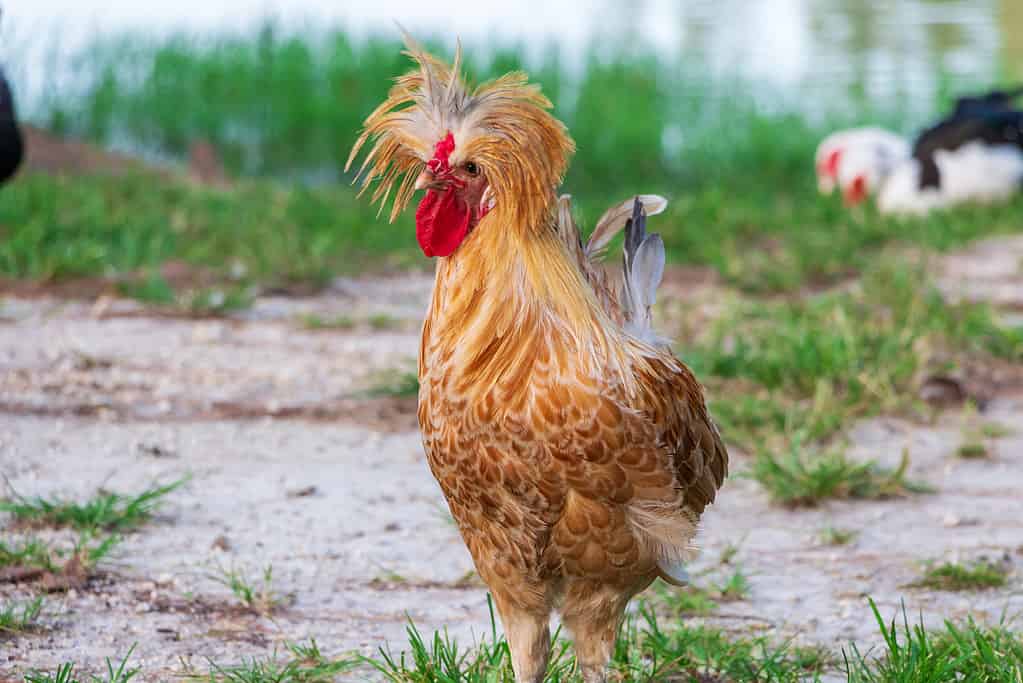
[292, 466]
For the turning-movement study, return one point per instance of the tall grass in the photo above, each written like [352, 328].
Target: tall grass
[280, 103]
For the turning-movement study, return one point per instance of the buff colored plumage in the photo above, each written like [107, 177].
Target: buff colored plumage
[575, 451]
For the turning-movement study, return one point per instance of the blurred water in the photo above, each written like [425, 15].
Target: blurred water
[810, 49]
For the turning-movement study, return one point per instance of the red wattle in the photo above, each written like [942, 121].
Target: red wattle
[442, 222]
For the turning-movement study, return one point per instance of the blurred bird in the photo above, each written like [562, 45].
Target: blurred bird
[11, 145]
[973, 155]
[575, 451]
[879, 143]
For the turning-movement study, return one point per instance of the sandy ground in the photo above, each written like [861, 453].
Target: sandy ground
[292, 466]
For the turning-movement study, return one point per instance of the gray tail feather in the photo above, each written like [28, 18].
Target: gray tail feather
[644, 269]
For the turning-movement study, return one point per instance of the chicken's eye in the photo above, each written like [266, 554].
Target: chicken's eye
[471, 168]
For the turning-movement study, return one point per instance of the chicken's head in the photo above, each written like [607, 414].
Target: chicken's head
[457, 197]
[495, 148]
[857, 160]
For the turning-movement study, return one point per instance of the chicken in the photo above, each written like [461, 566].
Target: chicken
[575, 452]
[976, 156]
[11, 144]
[972, 154]
[876, 142]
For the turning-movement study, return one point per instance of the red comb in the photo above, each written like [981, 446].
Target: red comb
[441, 152]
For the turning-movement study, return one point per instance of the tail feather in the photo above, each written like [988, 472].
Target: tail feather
[615, 218]
[644, 269]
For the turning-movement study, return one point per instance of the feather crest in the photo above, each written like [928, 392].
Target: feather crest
[504, 126]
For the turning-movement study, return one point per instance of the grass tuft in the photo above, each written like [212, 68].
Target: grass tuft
[382, 321]
[973, 450]
[65, 673]
[393, 384]
[976, 434]
[805, 480]
[691, 600]
[20, 617]
[30, 552]
[257, 595]
[735, 587]
[304, 664]
[106, 511]
[952, 576]
[834, 536]
[313, 321]
[913, 654]
[995, 430]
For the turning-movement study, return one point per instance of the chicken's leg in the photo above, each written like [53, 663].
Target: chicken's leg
[593, 622]
[529, 639]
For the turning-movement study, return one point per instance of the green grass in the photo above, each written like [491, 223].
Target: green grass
[313, 321]
[685, 601]
[378, 322]
[383, 321]
[861, 347]
[995, 430]
[124, 228]
[60, 228]
[700, 599]
[954, 576]
[289, 106]
[30, 552]
[107, 511]
[276, 102]
[799, 479]
[787, 376]
[152, 288]
[972, 450]
[835, 536]
[303, 663]
[393, 383]
[20, 617]
[970, 653]
[88, 550]
[65, 673]
[977, 434]
[735, 587]
[647, 650]
[257, 595]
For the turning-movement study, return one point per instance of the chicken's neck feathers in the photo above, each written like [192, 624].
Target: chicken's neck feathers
[507, 291]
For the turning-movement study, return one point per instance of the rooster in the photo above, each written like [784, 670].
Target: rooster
[575, 451]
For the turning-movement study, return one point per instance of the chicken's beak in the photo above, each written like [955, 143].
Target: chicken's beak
[427, 180]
